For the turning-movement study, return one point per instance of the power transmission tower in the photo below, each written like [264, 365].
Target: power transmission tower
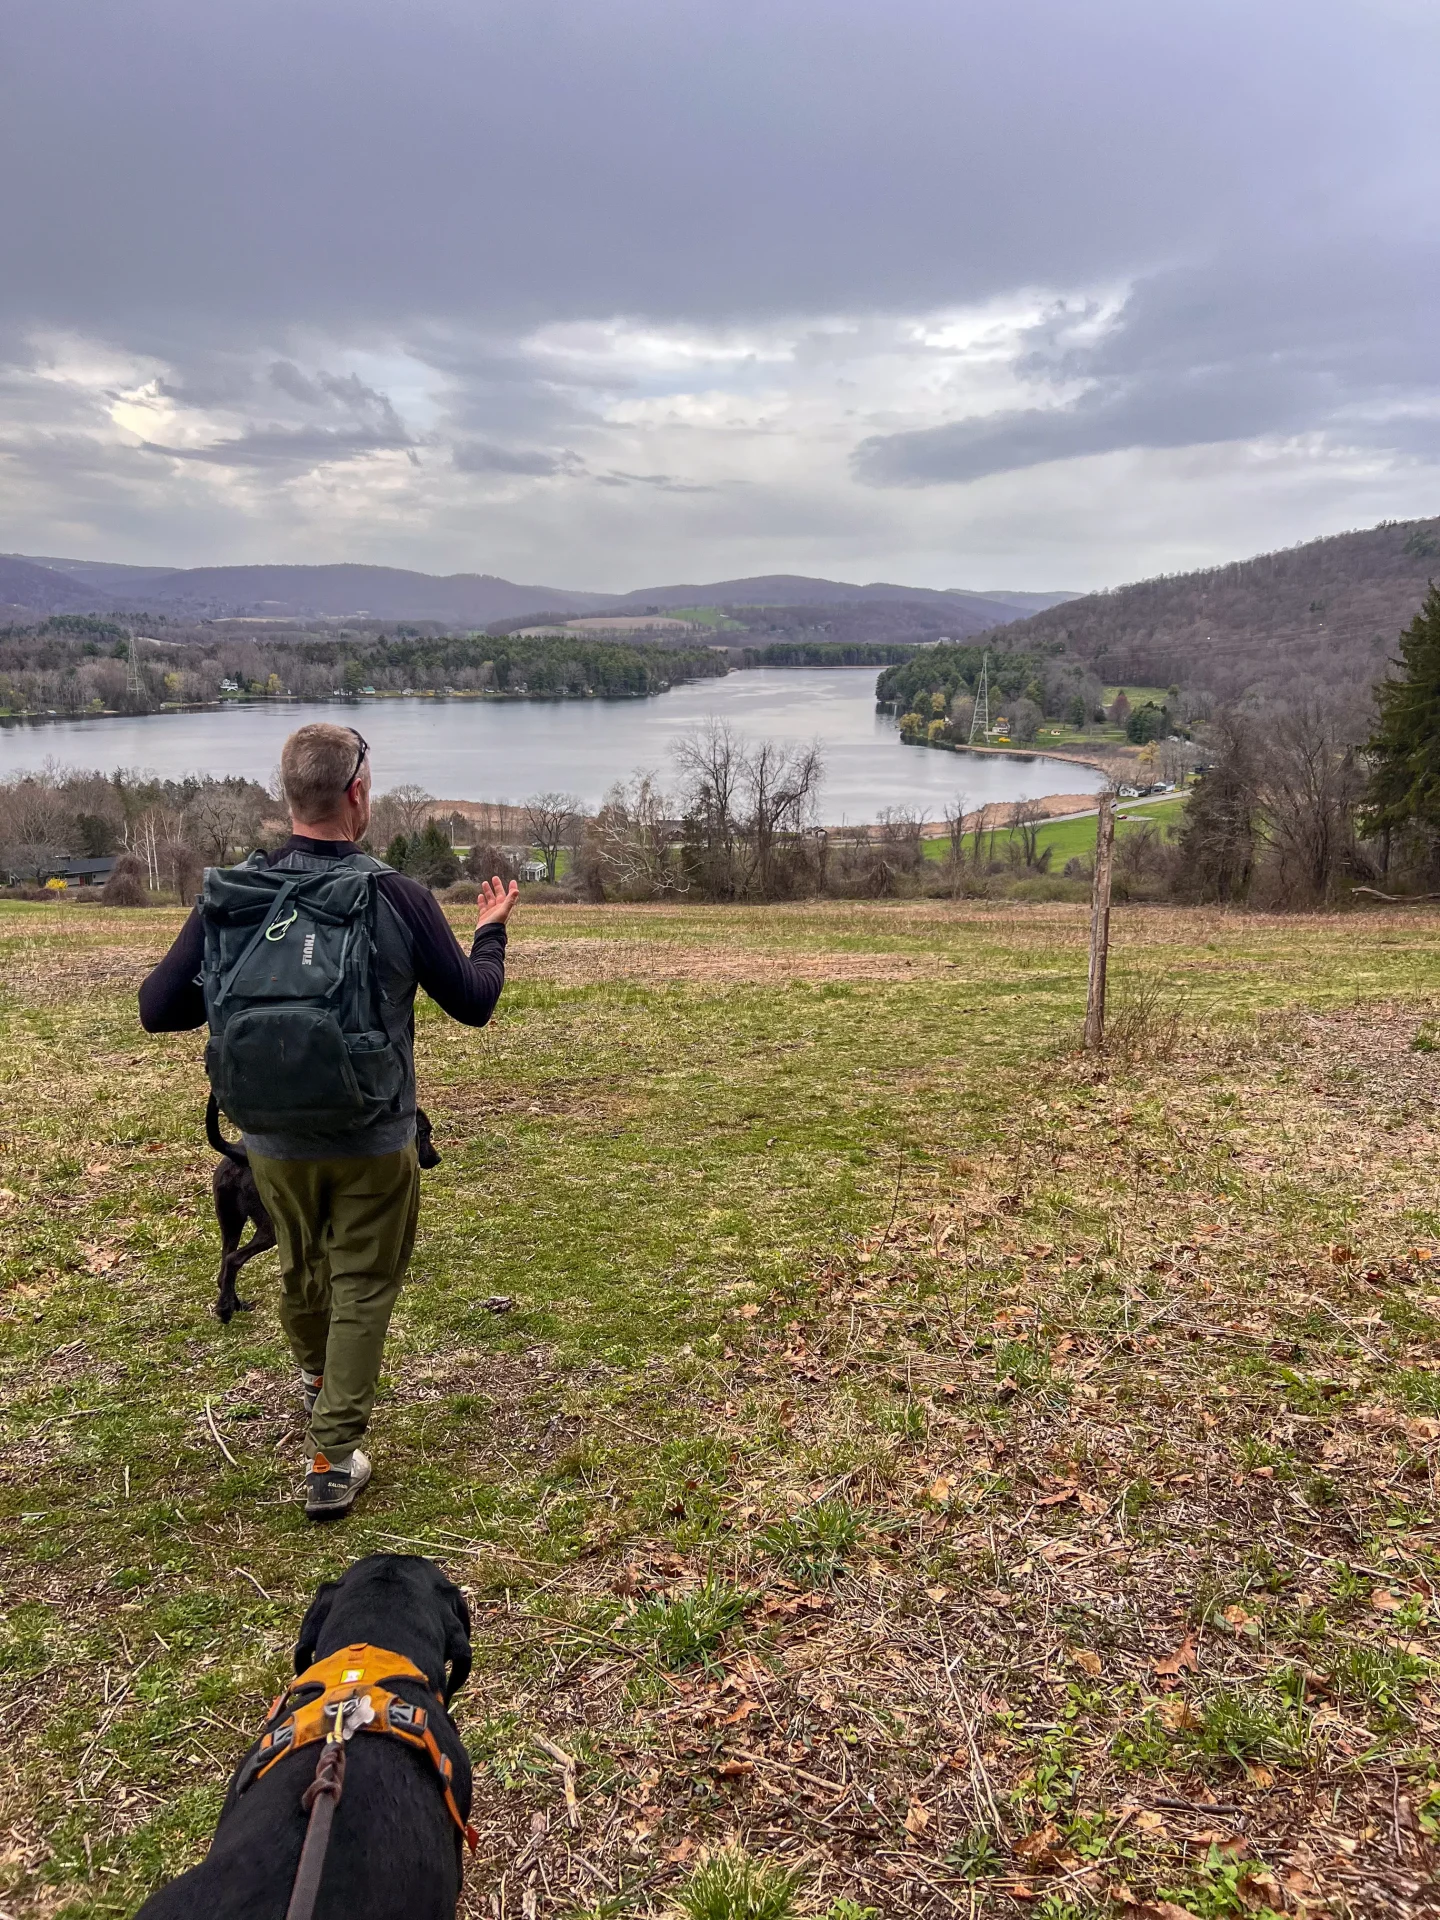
[133, 683]
[980, 719]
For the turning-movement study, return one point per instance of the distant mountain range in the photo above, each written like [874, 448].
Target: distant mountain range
[46, 584]
[1325, 615]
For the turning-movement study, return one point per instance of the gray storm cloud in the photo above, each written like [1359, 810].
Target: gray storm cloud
[1341, 342]
[327, 252]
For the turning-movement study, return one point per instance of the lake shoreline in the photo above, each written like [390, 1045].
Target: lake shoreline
[504, 750]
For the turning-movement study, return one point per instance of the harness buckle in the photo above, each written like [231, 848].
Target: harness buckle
[347, 1716]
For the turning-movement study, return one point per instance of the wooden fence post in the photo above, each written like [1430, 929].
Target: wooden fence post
[1100, 924]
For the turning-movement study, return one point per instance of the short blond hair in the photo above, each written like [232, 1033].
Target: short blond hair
[317, 764]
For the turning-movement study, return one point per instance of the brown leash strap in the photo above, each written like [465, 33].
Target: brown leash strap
[319, 1800]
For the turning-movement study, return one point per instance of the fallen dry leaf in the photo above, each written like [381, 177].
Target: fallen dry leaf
[1086, 1660]
[1176, 1713]
[1384, 1602]
[1183, 1660]
[917, 1819]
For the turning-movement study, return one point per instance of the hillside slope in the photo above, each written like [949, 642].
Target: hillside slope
[39, 589]
[1322, 615]
[52, 585]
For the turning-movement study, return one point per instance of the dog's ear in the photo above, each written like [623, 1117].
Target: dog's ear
[312, 1625]
[457, 1639]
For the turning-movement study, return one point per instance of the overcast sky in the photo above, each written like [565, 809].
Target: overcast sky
[605, 293]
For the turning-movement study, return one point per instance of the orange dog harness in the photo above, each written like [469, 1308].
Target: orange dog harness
[346, 1698]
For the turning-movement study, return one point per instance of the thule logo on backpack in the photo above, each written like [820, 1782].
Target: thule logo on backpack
[307, 952]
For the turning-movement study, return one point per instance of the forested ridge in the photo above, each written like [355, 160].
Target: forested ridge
[1323, 615]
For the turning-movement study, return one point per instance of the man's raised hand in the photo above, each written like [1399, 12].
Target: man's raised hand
[496, 902]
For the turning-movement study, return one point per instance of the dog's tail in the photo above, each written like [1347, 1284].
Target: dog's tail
[231, 1149]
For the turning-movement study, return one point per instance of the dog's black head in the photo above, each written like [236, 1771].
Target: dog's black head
[397, 1601]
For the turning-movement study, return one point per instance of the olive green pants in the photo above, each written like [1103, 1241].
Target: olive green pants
[346, 1230]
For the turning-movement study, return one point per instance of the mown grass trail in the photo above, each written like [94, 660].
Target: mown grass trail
[961, 1475]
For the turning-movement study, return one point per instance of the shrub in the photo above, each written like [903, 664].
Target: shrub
[126, 885]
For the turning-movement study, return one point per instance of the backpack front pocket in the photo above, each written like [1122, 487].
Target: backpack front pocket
[286, 1066]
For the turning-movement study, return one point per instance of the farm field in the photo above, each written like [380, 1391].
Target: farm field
[968, 1476]
[1074, 837]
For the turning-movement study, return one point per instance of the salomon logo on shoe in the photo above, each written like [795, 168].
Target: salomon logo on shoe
[331, 1486]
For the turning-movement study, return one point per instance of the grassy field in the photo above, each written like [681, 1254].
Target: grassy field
[1058, 733]
[964, 1476]
[1075, 837]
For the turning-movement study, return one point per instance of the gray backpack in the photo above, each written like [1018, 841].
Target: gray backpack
[293, 997]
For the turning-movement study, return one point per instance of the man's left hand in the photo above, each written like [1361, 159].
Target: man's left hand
[496, 903]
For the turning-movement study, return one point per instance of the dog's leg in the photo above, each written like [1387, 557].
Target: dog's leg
[260, 1241]
[233, 1217]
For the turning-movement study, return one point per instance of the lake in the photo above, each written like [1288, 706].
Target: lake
[506, 750]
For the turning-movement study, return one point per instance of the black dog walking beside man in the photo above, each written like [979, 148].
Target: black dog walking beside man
[304, 964]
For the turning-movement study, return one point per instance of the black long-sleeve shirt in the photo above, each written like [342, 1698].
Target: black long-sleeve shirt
[466, 989]
[426, 954]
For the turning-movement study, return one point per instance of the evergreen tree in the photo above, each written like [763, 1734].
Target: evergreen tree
[432, 858]
[397, 854]
[1404, 751]
[1218, 839]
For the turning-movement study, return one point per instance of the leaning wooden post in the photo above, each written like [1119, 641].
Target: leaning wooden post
[1100, 924]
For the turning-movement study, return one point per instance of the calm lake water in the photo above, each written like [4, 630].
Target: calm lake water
[494, 750]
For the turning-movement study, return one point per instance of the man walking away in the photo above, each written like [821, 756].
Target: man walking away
[305, 962]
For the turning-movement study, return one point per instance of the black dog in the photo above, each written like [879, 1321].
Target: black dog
[394, 1850]
[238, 1203]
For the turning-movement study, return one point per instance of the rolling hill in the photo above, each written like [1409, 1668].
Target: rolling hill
[47, 584]
[1324, 615]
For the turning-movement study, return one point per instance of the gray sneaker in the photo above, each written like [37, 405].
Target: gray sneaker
[310, 1385]
[331, 1485]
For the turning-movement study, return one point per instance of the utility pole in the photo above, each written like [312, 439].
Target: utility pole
[1100, 924]
[980, 719]
[133, 683]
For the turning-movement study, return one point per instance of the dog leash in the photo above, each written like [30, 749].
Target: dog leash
[319, 1800]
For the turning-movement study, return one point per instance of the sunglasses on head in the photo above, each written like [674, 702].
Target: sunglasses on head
[364, 746]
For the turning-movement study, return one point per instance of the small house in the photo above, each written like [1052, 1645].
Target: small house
[78, 873]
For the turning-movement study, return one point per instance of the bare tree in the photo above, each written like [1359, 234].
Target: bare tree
[1026, 817]
[955, 827]
[713, 764]
[781, 784]
[218, 819]
[900, 831]
[629, 848]
[550, 818]
[1312, 786]
[411, 806]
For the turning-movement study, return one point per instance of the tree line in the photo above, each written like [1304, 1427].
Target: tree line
[1297, 805]
[73, 664]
